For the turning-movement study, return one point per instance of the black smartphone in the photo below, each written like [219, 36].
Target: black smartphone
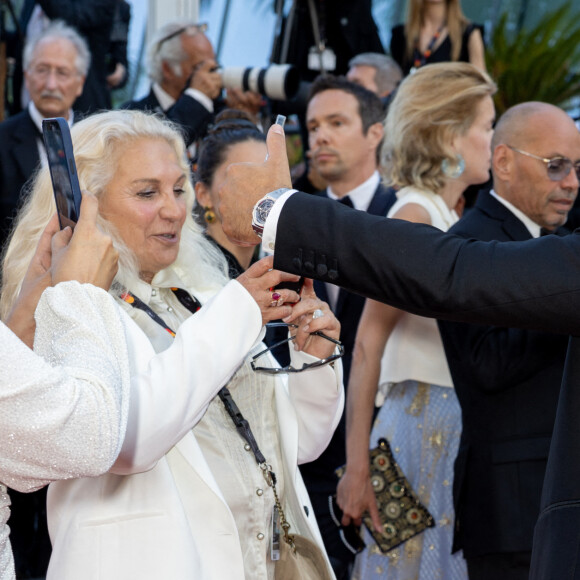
[296, 286]
[63, 170]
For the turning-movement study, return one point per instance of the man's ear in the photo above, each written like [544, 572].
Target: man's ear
[167, 70]
[376, 133]
[502, 162]
[81, 87]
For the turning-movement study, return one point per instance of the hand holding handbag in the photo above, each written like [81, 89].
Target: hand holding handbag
[402, 514]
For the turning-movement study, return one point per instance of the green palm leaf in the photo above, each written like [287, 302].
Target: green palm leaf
[541, 64]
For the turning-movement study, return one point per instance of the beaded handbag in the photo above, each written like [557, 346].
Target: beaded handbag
[402, 514]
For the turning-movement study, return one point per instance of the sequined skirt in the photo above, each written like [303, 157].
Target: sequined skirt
[423, 424]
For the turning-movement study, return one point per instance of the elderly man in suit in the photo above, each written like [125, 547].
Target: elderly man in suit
[55, 66]
[533, 284]
[344, 123]
[508, 380]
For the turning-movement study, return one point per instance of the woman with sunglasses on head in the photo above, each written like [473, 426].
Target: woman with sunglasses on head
[438, 142]
[189, 496]
[436, 31]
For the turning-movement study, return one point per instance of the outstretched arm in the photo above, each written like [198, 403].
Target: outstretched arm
[533, 284]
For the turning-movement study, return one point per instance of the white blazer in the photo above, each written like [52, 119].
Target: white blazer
[127, 524]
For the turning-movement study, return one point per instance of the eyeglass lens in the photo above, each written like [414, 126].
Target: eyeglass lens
[560, 168]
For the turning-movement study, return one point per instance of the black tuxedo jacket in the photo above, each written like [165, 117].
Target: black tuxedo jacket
[507, 382]
[533, 284]
[319, 475]
[18, 161]
[94, 20]
[190, 114]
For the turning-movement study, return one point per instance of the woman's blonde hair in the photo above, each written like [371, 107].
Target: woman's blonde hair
[432, 107]
[98, 142]
[455, 20]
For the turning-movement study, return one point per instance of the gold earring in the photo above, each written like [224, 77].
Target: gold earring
[209, 215]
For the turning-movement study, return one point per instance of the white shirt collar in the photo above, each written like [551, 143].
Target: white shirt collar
[362, 195]
[37, 117]
[532, 226]
[166, 101]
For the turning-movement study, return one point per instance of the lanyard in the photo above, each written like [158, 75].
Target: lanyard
[419, 59]
[186, 299]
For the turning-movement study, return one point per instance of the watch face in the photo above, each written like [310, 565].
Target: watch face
[263, 210]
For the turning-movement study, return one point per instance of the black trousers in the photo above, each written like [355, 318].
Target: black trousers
[510, 566]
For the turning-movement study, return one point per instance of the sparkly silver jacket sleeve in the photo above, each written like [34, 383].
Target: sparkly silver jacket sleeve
[64, 416]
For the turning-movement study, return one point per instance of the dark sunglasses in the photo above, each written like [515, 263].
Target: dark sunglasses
[190, 30]
[349, 535]
[558, 167]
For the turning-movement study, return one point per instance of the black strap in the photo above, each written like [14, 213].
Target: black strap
[241, 424]
[185, 298]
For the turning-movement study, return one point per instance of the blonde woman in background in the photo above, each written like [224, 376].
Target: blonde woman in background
[438, 142]
[436, 31]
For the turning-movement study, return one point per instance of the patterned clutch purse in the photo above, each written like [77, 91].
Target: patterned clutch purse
[402, 514]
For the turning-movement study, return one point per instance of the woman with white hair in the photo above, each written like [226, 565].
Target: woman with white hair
[186, 498]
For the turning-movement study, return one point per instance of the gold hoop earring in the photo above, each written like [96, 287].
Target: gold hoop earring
[209, 215]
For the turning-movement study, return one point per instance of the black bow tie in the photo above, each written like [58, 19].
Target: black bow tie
[346, 201]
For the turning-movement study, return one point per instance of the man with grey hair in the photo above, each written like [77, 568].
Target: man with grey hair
[375, 72]
[55, 67]
[182, 65]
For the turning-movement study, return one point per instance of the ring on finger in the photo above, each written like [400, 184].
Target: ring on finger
[277, 299]
[317, 314]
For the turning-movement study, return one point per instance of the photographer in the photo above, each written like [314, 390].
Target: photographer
[186, 84]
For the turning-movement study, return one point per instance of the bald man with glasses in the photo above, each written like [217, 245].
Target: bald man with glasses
[508, 380]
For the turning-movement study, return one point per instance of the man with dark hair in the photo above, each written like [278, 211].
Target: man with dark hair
[345, 130]
[376, 72]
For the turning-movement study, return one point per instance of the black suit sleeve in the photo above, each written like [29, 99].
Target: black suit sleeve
[533, 284]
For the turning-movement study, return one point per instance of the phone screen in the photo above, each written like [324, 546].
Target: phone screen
[67, 193]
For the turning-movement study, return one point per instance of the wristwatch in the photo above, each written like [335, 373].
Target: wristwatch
[263, 207]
